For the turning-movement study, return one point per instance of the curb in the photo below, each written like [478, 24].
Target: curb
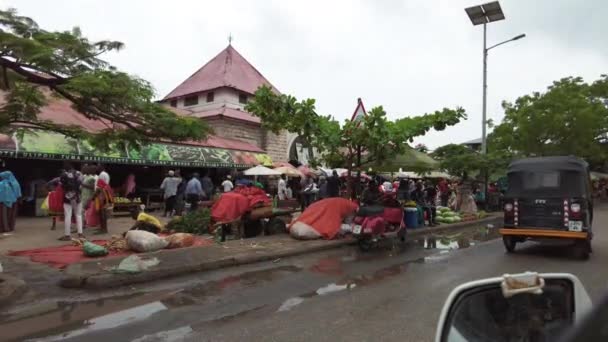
[107, 280]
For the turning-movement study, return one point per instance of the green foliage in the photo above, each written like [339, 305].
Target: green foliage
[461, 161]
[196, 222]
[37, 65]
[570, 118]
[374, 136]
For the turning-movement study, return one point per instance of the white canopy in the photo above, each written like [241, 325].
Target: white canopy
[261, 171]
[288, 171]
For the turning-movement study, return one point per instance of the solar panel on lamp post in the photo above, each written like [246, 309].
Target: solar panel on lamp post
[485, 14]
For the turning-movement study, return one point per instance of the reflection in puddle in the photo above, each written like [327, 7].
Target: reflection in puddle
[167, 336]
[110, 321]
[290, 303]
[460, 240]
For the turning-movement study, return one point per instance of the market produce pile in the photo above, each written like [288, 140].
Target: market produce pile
[126, 200]
[446, 215]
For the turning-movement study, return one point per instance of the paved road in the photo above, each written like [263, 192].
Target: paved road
[392, 294]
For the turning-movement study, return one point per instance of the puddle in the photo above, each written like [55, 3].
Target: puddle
[174, 335]
[461, 240]
[290, 303]
[60, 320]
[110, 321]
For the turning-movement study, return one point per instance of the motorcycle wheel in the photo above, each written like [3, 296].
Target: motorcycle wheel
[365, 244]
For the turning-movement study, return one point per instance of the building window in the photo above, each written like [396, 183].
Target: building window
[210, 96]
[191, 100]
[173, 103]
[242, 98]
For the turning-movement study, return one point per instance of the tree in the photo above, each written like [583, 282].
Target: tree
[462, 161]
[421, 148]
[355, 144]
[37, 65]
[570, 118]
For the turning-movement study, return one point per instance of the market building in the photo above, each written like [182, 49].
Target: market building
[218, 93]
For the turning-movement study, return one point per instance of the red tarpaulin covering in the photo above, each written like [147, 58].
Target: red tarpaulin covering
[326, 216]
[62, 256]
[233, 205]
[230, 206]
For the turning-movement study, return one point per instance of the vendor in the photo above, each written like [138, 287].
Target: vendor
[145, 221]
[371, 195]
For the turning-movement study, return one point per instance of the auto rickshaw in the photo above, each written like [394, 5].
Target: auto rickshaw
[549, 200]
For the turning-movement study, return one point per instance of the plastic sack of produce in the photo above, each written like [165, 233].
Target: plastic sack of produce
[143, 241]
[92, 250]
[179, 240]
[326, 216]
[302, 231]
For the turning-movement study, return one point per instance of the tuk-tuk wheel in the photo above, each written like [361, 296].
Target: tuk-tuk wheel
[509, 243]
[582, 249]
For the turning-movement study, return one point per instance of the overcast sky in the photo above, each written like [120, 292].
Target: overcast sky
[409, 56]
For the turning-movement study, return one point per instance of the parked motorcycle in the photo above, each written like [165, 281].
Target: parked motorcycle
[376, 222]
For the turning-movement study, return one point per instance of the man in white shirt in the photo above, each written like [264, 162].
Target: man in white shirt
[227, 184]
[103, 175]
[282, 188]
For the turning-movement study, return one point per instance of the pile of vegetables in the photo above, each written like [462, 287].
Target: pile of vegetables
[446, 215]
[196, 222]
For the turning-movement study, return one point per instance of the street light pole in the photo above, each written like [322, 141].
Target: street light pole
[485, 93]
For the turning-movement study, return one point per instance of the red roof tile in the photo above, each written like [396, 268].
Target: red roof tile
[227, 69]
[59, 110]
[229, 113]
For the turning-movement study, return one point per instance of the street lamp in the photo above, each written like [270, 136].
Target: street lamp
[484, 14]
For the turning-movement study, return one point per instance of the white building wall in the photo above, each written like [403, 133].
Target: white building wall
[223, 97]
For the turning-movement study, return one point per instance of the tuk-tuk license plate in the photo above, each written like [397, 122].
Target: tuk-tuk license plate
[357, 229]
[575, 226]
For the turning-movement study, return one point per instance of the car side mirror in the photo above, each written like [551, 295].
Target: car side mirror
[519, 307]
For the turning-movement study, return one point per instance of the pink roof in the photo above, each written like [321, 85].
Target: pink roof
[229, 113]
[60, 110]
[227, 69]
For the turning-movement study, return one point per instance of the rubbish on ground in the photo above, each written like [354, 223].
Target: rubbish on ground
[143, 241]
[92, 250]
[179, 240]
[1, 270]
[135, 264]
[117, 243]
[276, 260]
[78, 242]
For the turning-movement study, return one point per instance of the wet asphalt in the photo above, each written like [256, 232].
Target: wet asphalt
[393, 293]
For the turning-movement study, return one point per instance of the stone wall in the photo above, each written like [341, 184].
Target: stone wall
[274, 144]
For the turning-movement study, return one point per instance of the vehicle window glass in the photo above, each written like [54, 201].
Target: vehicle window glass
[536, 180]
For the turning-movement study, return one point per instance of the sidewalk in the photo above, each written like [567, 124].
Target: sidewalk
[96, 274]
[35, 232]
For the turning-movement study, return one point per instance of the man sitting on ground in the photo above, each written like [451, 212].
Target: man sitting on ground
[145, 221]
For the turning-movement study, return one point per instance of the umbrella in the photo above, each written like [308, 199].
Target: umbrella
[354, 174]
[289, 171]
[261, 171]
[306, 171]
